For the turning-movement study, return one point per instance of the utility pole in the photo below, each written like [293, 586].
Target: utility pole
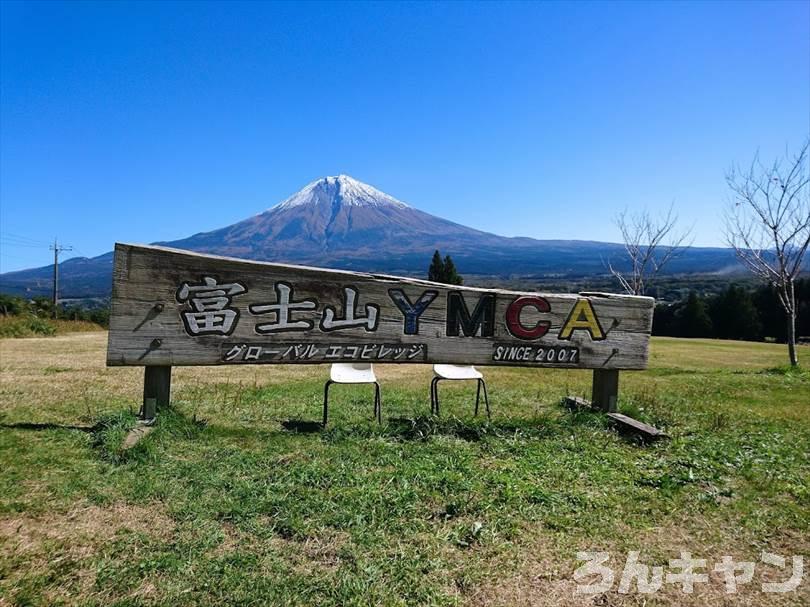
[57, 248]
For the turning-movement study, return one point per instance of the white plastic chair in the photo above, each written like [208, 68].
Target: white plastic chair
[457, 372]
[352, 373]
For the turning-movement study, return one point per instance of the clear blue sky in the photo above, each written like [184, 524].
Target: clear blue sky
[152, 121]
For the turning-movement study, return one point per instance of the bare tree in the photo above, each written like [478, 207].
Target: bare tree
[650, 243]
[768, 225]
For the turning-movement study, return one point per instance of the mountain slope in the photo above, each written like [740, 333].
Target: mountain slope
[334, 219]
[343, 223]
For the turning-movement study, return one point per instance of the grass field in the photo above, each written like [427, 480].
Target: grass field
[236, 498]
[28, 325]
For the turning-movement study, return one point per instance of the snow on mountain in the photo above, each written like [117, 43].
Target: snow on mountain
[343, 190]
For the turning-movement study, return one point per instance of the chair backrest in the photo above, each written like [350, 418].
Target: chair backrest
[352, 373]
[457, 372]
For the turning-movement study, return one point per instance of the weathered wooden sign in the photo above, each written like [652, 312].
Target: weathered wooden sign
[173, 307]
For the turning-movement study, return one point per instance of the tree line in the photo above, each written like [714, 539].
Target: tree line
[737, 312]
[42, 307]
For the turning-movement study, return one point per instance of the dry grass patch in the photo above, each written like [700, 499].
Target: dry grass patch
[532, 576]
[70, 541]
[538, 577]
[321, 551]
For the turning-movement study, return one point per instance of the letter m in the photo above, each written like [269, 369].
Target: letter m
[459, 317]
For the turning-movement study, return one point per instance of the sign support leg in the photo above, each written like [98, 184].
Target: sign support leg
[157, 385]
[605, 390]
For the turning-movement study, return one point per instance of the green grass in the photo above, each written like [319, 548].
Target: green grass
[238, 498]
[26, 325]
[29, 325]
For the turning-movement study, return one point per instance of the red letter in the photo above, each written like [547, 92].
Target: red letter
[513, 317]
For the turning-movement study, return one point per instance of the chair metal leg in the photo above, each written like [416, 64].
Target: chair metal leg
[435, 396]
[326, 401]
[377, 403]
[486, 400]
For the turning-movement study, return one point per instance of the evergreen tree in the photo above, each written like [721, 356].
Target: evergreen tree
[693, 317]
[444, 270]
[771, 314]
[734, 315]
[451, 275]
[436, 270]
[664, 322]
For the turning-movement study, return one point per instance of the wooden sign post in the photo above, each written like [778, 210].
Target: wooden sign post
[173, 307]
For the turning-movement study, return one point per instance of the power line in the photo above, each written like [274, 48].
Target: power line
[13, 244]
[22, 239]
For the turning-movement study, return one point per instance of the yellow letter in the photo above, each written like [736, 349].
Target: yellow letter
[582, 316]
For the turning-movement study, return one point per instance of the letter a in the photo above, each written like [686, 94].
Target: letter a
[582, 316]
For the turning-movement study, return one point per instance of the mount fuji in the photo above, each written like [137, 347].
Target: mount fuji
[340, 222]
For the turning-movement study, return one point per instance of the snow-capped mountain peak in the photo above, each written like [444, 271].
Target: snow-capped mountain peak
[340, 190]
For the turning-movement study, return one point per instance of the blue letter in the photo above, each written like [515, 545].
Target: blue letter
[412, 312]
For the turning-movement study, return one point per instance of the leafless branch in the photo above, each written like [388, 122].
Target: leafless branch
[650, 244]
[768, 220]
[768, 224]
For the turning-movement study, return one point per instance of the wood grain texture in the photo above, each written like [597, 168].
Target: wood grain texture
[634, 426]
[157, 384]
[605, 390]
[156, 319]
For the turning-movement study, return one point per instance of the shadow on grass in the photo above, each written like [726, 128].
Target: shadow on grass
[789, 371]
[173, 424]
[49, 426]
[410, 428]
[423, 428]
[301, 426]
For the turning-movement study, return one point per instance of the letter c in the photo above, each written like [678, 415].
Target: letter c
[513, 323]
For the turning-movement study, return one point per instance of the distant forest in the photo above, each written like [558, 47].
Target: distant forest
[737, 312]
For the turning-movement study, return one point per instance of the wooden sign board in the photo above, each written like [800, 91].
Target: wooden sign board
[173, 307]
